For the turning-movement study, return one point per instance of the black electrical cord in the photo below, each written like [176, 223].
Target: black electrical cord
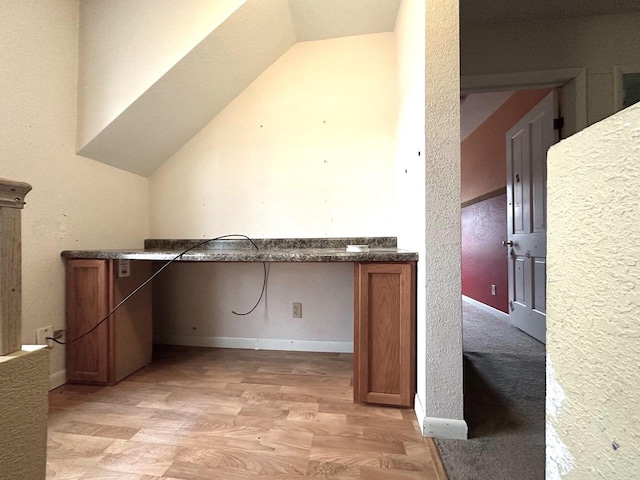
[264, 287]
[143, 284]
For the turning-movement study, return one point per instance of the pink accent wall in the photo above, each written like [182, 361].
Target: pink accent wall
[483, 155]
[484, 259]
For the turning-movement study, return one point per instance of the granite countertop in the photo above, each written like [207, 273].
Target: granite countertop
[381, 249]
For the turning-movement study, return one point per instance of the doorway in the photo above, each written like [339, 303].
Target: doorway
[504, 368]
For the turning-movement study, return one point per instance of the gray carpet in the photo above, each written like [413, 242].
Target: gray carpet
[504, 388]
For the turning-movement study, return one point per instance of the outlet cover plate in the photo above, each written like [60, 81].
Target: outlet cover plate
[42, 334]
[124, 268]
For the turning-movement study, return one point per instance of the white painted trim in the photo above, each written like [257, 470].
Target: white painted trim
[57, 379]
[445, 428]
[486, 308]
[439, 427]
[420, 413]
[534, 79]
[256, 343]
[618, 94]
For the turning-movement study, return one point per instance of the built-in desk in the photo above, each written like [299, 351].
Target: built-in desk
[384, 306]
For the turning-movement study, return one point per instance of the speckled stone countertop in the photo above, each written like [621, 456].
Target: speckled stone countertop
[381, 249]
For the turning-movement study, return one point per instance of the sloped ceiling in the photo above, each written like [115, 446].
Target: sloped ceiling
[475, 108]
[219, 68]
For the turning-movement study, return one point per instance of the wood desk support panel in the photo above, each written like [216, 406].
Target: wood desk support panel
[122, 344]
[384, 333]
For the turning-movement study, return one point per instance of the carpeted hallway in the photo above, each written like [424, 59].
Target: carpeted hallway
[504, 403]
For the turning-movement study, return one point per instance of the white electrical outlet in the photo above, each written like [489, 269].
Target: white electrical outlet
[493, 290]
[42, 334]
[296, 310]
[124, 268]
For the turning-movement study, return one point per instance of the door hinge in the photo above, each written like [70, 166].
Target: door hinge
[558, 123]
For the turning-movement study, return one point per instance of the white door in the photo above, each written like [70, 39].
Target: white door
[527, 145]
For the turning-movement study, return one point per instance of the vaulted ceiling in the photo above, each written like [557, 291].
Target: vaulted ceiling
[180, 103]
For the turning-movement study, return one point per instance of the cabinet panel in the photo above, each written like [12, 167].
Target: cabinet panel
[384, 336]
[87, 291]
[133, 321]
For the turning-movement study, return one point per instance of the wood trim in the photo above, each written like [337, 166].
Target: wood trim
[10, 281]
[438, 464]
[12, 193]
[412, 289]
[486, 196]
[112, 322]
[360, 335]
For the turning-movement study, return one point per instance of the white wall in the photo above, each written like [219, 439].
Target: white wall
[307, 150]
[596, 43]
[410, 162]
[76, 203]
[593, 303]
[126, 46]
[193, 306]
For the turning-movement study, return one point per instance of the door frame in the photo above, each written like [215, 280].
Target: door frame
[532, 80]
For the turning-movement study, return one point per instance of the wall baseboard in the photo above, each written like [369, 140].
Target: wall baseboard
[57, 379]
[420, 413]
[445, 428]
[439, 427]
[256, 343]
[486, 308]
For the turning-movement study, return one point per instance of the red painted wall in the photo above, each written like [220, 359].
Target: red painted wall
[484, 259]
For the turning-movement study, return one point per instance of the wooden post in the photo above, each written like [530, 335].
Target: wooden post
[11, 203]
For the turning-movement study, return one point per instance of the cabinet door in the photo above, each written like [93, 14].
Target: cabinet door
[88, 290]
[384, 336]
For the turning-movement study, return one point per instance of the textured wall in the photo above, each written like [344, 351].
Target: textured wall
[596, 43]
[484, 259]
[24, 383]
[306, 150]
[593, 303]
[442, 357]
[75, 203]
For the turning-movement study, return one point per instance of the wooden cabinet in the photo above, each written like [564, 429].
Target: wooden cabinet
[384, 333]
[122, 344]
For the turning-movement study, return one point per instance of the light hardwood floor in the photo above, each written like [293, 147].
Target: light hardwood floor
[200, 413]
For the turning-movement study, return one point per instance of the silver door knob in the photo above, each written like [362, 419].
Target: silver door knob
[507, 243]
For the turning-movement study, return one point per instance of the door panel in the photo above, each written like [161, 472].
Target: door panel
[520, 290]
[539, 173]
[540, 285]
[517, 149]
[527, 144]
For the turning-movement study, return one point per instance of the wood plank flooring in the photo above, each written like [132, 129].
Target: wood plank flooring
[201, 413]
